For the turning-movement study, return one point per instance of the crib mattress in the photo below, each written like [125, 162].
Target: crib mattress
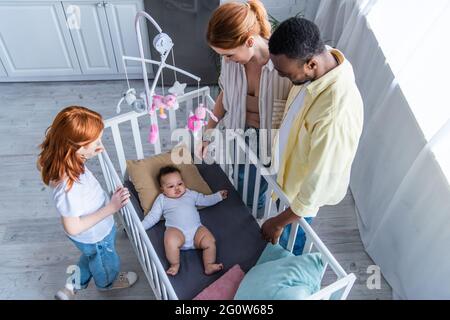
[238, 237]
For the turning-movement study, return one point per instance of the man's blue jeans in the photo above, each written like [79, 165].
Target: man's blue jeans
[99, 261]
[251, 186]
[300, 240]
[252, 179]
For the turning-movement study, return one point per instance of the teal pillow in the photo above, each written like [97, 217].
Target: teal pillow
[273, 252]
[289, 278]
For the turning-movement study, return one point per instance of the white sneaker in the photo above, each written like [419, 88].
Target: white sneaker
[124, 280]
[66, 293]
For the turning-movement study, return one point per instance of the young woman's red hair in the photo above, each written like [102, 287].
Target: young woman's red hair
[73, 128]
[233, 23]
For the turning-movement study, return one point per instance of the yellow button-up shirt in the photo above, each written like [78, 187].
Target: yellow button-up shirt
[315, 166]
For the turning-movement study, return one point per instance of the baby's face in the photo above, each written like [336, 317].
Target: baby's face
[172, 185]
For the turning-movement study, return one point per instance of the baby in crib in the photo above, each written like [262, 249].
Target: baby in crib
[184, 229]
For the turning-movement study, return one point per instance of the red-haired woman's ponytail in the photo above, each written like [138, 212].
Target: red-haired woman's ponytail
[233, 23]
[261, 15]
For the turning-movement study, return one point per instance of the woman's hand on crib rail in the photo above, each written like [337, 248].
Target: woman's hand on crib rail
[119, 198]
[75, 225]
[202, 150]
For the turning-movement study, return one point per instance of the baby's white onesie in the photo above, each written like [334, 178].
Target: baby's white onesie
[181, 213]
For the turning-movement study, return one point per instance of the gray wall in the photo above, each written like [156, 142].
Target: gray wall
[283, 9]
[185, 21]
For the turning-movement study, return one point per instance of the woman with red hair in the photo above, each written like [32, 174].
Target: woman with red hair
[85, 209]
[252, 95]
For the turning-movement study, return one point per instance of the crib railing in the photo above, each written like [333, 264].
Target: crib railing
[337, 290]
[150, 262]
[144, 249]
[151, 265]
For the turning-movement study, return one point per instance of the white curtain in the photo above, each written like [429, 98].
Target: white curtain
[400, 177]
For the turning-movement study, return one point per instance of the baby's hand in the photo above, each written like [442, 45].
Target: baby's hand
[224, 194]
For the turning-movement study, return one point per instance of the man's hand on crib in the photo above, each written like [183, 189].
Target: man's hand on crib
[271, 230]
[273, 227]
[224, 194]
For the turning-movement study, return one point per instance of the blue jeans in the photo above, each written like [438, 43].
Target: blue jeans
[99, 261]
[300, 240]
[251, 186]
[252, 179]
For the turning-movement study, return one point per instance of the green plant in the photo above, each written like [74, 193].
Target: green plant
[274, 22]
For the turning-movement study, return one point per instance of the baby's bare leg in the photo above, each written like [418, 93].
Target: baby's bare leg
[173, 241]
[205, 240]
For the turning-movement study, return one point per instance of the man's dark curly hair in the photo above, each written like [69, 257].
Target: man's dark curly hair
[165, 171]
[296, 38]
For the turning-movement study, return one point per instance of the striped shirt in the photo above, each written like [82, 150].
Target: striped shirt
[273, 93]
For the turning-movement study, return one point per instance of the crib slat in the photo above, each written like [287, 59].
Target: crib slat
[164, 291]
[256, 191]
[246, 175]
[209, 101]
[308, 245]
[106, 173]
[189, 108]
[147, 263]
[157, 285]
[172, 120]
[236, 166]
[229, 160]
[126, 220]
[269, 202]
[157, 145]
[133, 234]
[139, 242]
[119, 147]
[324, 269]
[137, 138]
[144, 258]
[281, 206]
[292, 236]
[350, 281]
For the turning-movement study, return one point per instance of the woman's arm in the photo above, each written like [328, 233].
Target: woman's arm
[76, 225]
[218, 111]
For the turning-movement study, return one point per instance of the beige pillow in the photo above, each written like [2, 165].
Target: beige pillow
[143, 174]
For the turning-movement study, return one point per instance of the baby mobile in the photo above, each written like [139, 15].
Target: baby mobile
[155, 104]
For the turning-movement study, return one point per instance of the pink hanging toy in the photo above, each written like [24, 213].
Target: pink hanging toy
[153, 134]
[162, 103]
[197, 120]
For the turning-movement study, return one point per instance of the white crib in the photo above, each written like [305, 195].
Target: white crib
[140, 241]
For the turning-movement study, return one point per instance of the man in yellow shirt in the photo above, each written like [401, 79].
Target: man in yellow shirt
[322, 124]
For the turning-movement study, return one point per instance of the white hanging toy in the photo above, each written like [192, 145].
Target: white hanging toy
[151, 102]
[130, 97]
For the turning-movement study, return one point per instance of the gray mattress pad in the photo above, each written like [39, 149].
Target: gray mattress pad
[238, 237]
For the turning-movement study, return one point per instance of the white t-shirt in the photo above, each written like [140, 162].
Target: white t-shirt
[283, 134]
[85, 197]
